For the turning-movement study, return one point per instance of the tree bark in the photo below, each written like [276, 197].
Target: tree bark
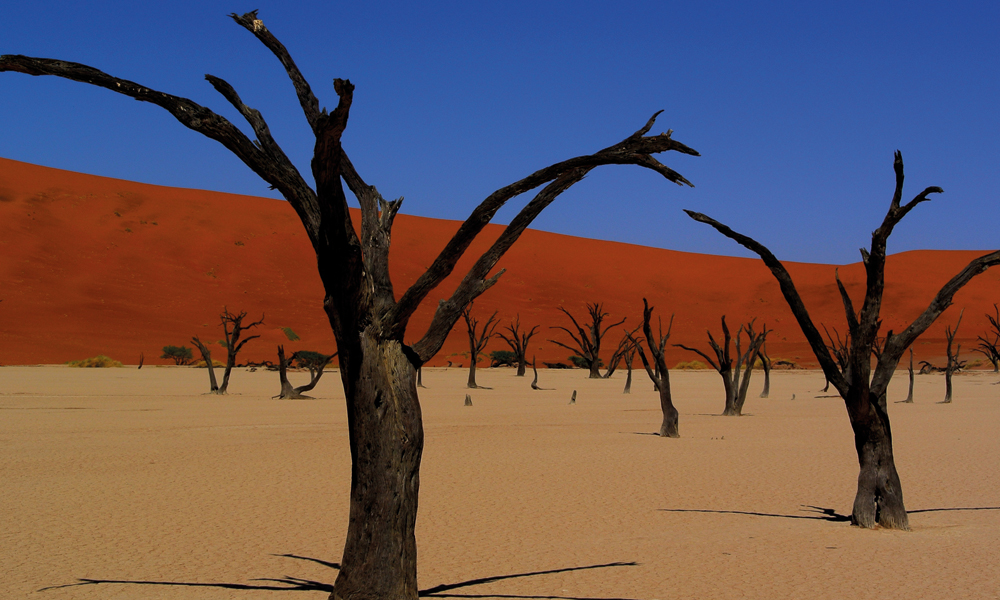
[765, 362]
[879, 498]
[206, 355]
[386, 439]
[909, 395]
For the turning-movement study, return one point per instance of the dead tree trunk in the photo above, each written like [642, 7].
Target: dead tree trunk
[478, 338]
[206, 355]
[670, 427]
[518, 342]
[368, 319]
[232, 324]
[588, 341]
[765, 363]
[629, 357]
[953, 364]
[879, 499]
[909, 395]
[616, 358]
[315, 367]
[735, 373]
[989, 344]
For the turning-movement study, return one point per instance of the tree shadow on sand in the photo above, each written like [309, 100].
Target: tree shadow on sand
[295, 584]
[824, 514]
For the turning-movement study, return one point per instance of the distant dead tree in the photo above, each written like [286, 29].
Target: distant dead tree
[534, 382]
[659, 374]
[369, 318]
[628, 357]
[232, 325]
[303, 359]
[953, 362]
[765, 363]
[879, 498]
[478, 338]
[518, 341]
[206, 355]
[616, 358]
[841, 351]
[989, 344]
[736, 371]
[909, 395]
[588, 341]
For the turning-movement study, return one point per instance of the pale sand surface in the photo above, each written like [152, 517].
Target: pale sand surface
[134, 476]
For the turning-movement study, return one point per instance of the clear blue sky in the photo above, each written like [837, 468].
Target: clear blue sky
[796, 107]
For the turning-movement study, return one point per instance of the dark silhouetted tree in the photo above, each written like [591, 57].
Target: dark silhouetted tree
[478, 339]
[616, 358]
[658, 373]
[232, 325]
[303, 359]
[989, 343]
[953, 362]
[765, 364]
[879, 498]
[368, 318]
[587, 342]
[206, 355]
[518, 341]
[735, 372]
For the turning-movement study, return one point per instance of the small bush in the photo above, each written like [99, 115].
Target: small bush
[581, 363]
[500, 358]
[98, 362]
[215, 363]
[691, 365]
[180, 355]
[291, 335]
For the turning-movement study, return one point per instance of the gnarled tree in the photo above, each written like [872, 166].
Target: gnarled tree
[879, 498]
[232, 325]
[735, 372]
[368, 319]
[989, 344]
[953, 363]
[657, 371]
[518, 341]
[303, 359]
[624, 345]
[588, 341]
[478, 338]
[765, 364]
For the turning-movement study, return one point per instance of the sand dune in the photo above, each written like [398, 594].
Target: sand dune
[93, 265]
[121, 483]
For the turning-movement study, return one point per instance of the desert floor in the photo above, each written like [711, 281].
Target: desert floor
[126, 483]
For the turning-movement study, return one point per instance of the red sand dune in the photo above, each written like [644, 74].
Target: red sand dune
[92, 265]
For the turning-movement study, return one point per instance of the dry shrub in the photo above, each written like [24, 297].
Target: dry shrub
[98, 362]
[215, 363]
[690, 366]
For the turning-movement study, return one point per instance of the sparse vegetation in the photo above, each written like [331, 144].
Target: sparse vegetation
[181, 355]
[690, 365]
[98, 362]
[291, 335]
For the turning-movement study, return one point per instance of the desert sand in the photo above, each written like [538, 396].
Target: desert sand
[126, 483]
[92, 265]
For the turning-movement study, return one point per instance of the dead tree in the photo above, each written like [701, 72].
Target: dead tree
[735, 372]
[368, 317]
[953, 363]
[765, 363]
[628, 357]
[879, 499]
[478, 338]
[518, 342]
[206, 355]
[314, 361]
[660, 376]
[989, 344]
[588, 341]
[232, 325]
[616, 357]
[840, 348]
[909, 395]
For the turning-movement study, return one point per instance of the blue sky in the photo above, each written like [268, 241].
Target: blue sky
[796, 108]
